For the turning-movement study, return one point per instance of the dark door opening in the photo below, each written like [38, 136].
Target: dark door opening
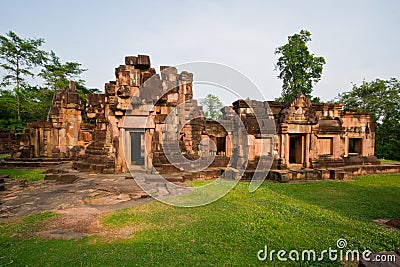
[137, 157]
[221, 144]
[296, 149]
[355, 145]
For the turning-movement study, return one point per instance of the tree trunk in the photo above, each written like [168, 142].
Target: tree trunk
[17, 93]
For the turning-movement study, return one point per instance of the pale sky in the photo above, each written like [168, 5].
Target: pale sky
[359, 39]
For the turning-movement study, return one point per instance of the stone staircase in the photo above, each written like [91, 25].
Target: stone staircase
[97, 156]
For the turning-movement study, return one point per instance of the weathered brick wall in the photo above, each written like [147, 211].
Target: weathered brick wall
[9, 141]
[66, 119]
[313, 134]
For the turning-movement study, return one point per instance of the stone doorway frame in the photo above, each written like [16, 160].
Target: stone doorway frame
[128, 147]
[297, 143]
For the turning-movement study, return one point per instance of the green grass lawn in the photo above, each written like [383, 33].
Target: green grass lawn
[2, 156]
[390, 161]
[228, 232]
[29, 175]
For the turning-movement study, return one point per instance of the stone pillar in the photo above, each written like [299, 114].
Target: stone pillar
[148, 157]
[251, 144]
[63, 141]
[49, 142]
[127, 148]
[284, 151]
[372, 142]
[279, 145]
[336, 146]
[34, 140]
[313, 143]
[364, 149]
[307, 154]
[56, 145]
[120, 162]
[228, 145]
[346, 145]
[40, 141]
[286, 145]
[303, 142]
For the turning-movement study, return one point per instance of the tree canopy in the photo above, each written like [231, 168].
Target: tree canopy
[298, 69]
[212, 106]
[22, 99]
[57, 74]
[18, 57]
[381, 98]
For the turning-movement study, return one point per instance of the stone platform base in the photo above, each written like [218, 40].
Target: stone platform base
[31, 162]
[93, 167]
[340, 173]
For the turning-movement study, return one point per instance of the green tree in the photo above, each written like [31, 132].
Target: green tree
[8, 106]
[387, 140]
[298, 68]
[381, 98]
[57, 76]
[34, 103]
[28, 102]
[212, 106]
[18, 57]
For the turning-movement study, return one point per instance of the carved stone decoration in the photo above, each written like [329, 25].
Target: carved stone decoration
[301, 101]
[311, 115]
[124, 91]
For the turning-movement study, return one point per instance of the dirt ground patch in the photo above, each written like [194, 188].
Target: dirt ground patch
[82, 220]
[394, 223]
[80, 204]
[98, 191]
[389, 223]
[80, 198]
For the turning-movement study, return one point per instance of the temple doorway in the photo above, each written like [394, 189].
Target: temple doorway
[221, 145]
[137, 148]
[355, 145]
[296, 149]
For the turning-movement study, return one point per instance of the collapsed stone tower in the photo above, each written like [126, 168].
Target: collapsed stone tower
[126, 125]
[58, 138]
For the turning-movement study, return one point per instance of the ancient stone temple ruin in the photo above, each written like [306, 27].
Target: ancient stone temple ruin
[149, 121]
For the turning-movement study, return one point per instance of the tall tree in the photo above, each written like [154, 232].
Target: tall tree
[212, 106]
[57, 75]
[18, 57]
[381, 98]
[298, 68]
